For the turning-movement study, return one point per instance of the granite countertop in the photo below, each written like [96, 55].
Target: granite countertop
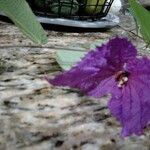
[36, 115]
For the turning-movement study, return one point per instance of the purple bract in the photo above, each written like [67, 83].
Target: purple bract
[114, 68]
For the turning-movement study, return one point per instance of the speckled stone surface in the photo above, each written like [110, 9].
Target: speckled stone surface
[35, 115]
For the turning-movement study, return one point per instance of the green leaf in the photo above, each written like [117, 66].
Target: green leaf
[21, 14]
[66, 59]
[142, 17]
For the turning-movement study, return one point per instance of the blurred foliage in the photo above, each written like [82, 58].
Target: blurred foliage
[21, 14]
[142, 17]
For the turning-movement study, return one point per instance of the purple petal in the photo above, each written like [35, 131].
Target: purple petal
[115, 53]
[84, 78]
[97, 66]
[106, 86]
[132, 109]
[139, 66]
[119, 51]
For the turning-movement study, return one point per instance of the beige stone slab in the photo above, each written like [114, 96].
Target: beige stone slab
[36, 115]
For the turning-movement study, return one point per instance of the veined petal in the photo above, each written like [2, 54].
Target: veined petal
[139, 66]
[132, 109]
[80, 77]
[119, 51]
[106, 86]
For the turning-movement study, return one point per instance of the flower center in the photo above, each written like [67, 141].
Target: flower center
[122, 78]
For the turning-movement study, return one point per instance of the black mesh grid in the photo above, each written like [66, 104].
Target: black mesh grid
[71, 9]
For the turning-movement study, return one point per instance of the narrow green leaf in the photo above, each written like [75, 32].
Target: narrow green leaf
[142, 17]
[21, 14]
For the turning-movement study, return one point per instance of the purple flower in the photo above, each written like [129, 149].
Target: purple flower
[114, 68]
